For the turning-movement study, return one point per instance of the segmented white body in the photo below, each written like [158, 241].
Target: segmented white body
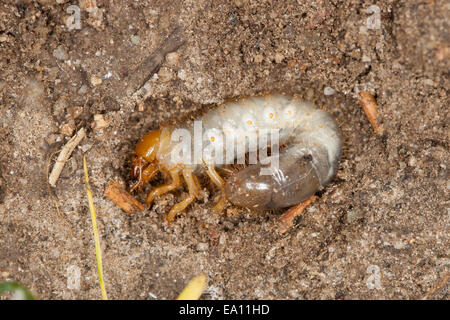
[303, 129]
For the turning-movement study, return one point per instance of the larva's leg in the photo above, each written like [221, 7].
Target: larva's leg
[144, 176]
[197, 183]
[193, 192]
[176, 182]
[287, 219]
[218, 181]
[215, 177]
[139, 181]
[227, 169]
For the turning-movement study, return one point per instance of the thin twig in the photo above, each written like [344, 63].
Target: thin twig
[438, 287]
[287, 219]
[151, 64]
[64, 155]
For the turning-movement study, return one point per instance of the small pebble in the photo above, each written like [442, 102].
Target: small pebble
[83, 89]
[60, 53]
[4, 38]
[96, 80]
[99, 122]
[399, 245]
[85, 147]
[53, 138]
[365, 58]
[135, 40]
[222, 239]
[258, 58]
[107, 75]
[182, 75]
[67, 129]
[202, 246]
[328, 91]
[292, 63]
[165, 74]
[172, 59]
[141, 107]
[354, 214]
[279, 58]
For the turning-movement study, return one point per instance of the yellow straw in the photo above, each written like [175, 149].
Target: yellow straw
[194, 289]
[98, 252]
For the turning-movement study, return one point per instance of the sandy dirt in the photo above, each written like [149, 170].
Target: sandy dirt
[380, 230]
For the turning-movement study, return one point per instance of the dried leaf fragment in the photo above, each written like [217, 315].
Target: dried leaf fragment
[99, 122]
[287, 219]
[370, 108]
[117, 193]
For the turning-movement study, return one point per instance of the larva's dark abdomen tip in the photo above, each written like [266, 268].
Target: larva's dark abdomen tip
[292, 182]
[247, 188]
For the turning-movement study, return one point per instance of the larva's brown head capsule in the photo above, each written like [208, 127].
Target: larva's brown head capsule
[144, 164]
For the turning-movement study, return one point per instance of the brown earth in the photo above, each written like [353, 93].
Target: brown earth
[379, 230]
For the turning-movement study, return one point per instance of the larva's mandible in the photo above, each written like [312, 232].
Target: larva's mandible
[306, 163]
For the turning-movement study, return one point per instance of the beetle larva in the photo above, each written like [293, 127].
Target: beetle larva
[308, 161]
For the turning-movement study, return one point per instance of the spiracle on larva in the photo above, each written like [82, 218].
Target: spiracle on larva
[227, 134]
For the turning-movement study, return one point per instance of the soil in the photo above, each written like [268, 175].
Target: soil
[380, 230]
